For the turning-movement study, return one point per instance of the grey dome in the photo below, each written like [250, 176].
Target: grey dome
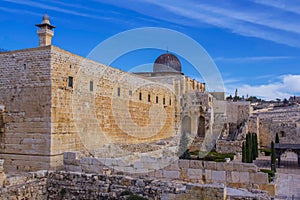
[167, 63]
[46, 17]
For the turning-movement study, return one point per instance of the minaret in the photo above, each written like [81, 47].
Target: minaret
[236, 93]
[45, 31]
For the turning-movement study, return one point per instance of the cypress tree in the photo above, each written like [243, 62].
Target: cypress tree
[277, 138]
[256, 145]
[273, 158]
[253, 146]
[247, 149]
[250, 148]
[244, 153]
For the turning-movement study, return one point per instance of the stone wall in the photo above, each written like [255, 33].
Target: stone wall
[237, 112]
[224, 146]
[283, 121]
[240, 175]
[45, 184]
[73, 185]
[25, 89]
[26, 186]
[120, 107]
[54, 101]
[69, 185]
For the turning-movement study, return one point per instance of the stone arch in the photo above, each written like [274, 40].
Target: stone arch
[186, 125]
[201, 127]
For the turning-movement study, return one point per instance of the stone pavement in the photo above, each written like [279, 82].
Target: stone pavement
[287, 176]
[287, 186]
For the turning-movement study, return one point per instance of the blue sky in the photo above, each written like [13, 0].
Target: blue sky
[255, 44]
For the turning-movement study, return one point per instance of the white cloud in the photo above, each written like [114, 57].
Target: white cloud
[261, 23]
[291, 6]
[252, 59]
[287, 86]
[55, 8]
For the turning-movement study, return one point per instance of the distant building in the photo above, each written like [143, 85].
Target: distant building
[294, 99]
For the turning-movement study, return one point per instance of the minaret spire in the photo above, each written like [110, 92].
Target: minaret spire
[45, 31]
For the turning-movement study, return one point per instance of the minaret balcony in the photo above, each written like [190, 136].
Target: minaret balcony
[41, 31]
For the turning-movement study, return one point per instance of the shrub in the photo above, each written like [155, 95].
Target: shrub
[266, 151]
[269, 172]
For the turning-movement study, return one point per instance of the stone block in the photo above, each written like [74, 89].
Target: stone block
[250, 167]
[72, 155]
[260, 178]
[73, 168]
[220, 166]
[235, 176]
[208, 174]
[196, 164]
[211, 165]
[138, 165]
[183, 164]
[173, 166]
[152, 165]
[158, 173]
[194, 173]
[228, 177]
[86, 161]
[244, 177]
[218, 175]
[140, 171]
[228, 166]
[270, 188]
[238, 167]
[171, 174]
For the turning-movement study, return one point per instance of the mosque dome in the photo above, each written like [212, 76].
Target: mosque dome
[167, 63]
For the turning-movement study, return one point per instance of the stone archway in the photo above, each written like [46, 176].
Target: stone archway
[201, 127]
[186, 125]
[281, 148]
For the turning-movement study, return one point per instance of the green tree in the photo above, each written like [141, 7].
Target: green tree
[247, 149]
[256, 145]
[183, 151]
[249, 157]
[277, 138]
[273, 158]
[244, 153]
[250, 149]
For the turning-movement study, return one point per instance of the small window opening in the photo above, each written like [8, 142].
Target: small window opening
[156, 99]
[170, 102]
[70, 81]
[130, 92]
[70, 66]
[140, 96]
[149, 98]
[282, 133]
[164, 100]
[119, 92]
[91, 86]
[24, 66]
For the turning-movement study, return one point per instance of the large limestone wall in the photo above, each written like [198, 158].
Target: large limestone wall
[239, 175]
[42, 115]
[118, 110]
[25, 89]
